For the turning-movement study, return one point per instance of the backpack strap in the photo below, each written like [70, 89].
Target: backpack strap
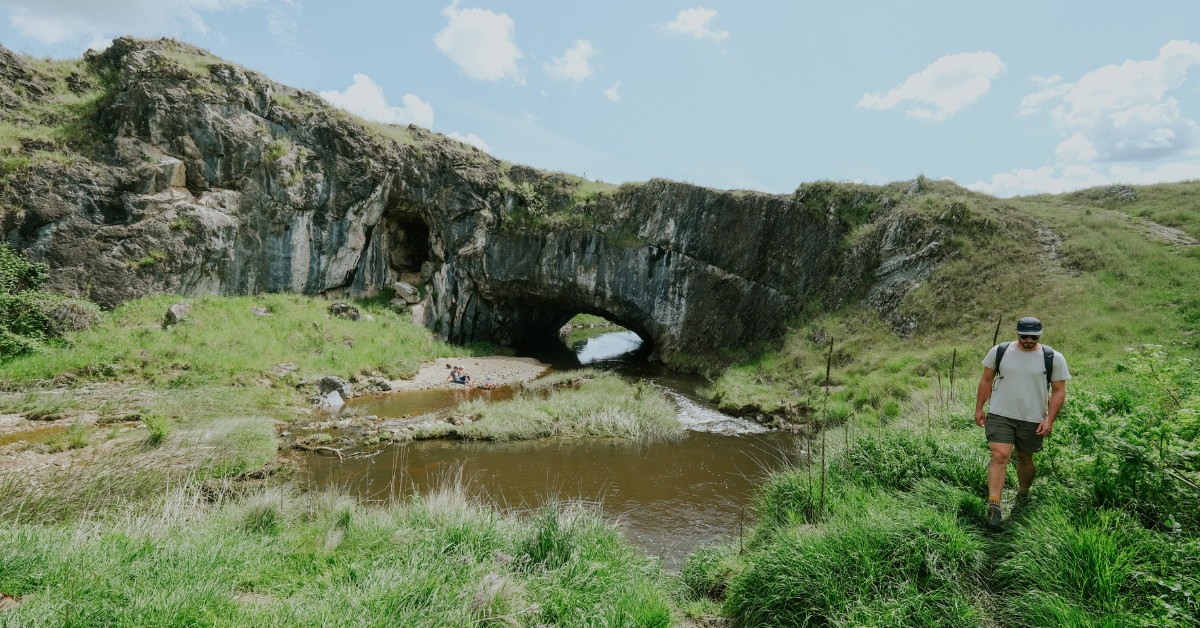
[1048, 355]
[1000, 349]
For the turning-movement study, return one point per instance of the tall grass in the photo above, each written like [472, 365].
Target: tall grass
[1111, 536]
[600, 404]
[278, 557]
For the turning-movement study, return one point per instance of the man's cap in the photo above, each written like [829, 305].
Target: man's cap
[1029, 326]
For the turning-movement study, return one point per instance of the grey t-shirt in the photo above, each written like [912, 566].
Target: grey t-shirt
[1019, 390]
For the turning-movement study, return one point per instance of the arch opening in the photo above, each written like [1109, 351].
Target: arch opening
[592, 339]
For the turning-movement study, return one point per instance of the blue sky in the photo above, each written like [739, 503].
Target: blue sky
[1028, 97]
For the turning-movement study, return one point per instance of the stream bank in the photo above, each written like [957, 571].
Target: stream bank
[669, 496]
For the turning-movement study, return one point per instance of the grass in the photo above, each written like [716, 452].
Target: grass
[1113, 288]
[278, 557]
[1110, 538]
[574, 404]
[224, 349]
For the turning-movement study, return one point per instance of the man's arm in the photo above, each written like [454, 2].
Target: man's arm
[1058, 394]
[984, 393]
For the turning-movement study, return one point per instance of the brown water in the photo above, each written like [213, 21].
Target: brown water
[39, 434]
[669, 497]
[418, 402]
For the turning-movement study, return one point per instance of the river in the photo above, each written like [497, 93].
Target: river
[668, 497]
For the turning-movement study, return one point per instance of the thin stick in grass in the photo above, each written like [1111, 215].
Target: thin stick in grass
[953, 365]
[824, 425]
[996, 336]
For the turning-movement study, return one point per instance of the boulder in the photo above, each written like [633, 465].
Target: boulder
[407, 292]
[426, 271]
[342, 309]
[399, 304]
[331, 383]
[259, 310]
[380, 383]
[283, 368]
[176, 313]
[334, 399]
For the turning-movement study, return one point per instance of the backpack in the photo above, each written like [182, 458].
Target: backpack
[1047, 353]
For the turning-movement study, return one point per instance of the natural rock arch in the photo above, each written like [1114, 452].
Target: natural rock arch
[233, 184]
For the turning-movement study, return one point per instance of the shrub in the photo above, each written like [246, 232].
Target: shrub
[28, 315]
[158, 426]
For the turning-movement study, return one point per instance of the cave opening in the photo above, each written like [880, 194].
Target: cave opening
[409, 248]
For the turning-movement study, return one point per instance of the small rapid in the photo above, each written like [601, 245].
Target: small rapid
[622, 352]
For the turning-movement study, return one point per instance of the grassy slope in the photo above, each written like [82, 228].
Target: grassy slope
[1109, 539]
[217, 362]
[1116, 289]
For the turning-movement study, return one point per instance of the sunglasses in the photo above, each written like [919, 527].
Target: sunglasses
[1024, 337]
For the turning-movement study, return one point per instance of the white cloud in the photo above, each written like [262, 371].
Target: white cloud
[99, 43]
[1045, 81]
[1122, 113]
[365, 98]
[469, 138]
[694, 22]
[574, 64]
[283, 22]
[611, 93]
[1032, 103]
[1051, 180]
[54, 21]
[481, 43]
[948, 84]
[1076, 149]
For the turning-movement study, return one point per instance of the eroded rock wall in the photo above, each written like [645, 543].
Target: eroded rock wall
[210, 179]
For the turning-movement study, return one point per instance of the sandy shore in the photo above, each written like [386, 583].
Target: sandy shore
[502, 370]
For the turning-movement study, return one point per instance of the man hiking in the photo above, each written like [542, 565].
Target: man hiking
[1026, 382]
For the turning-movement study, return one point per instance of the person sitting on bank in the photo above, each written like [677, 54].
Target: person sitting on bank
[459, 376]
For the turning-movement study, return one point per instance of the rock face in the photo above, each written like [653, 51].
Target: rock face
[219, 181]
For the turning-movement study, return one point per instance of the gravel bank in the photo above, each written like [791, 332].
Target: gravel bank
[503, 370]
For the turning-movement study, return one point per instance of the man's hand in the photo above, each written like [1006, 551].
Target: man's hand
[1045, 427]
[980, 416]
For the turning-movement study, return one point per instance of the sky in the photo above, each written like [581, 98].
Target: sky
[1023, 98]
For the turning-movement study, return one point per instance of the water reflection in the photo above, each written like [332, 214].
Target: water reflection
[607, 346]
[669, 497]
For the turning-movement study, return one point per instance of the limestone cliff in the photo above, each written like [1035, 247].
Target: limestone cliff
[189, 175]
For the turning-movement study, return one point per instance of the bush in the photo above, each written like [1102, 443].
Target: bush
[28, 315]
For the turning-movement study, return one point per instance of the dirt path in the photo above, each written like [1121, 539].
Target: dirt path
[502, 370]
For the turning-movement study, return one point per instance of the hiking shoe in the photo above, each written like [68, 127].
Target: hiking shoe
[994, 516]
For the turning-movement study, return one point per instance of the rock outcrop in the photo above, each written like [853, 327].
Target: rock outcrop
[206, 178]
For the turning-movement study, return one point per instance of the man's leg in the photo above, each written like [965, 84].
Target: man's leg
[998, 469]
[1026, 471]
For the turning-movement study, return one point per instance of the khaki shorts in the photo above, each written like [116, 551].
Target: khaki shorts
[1001, 429]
